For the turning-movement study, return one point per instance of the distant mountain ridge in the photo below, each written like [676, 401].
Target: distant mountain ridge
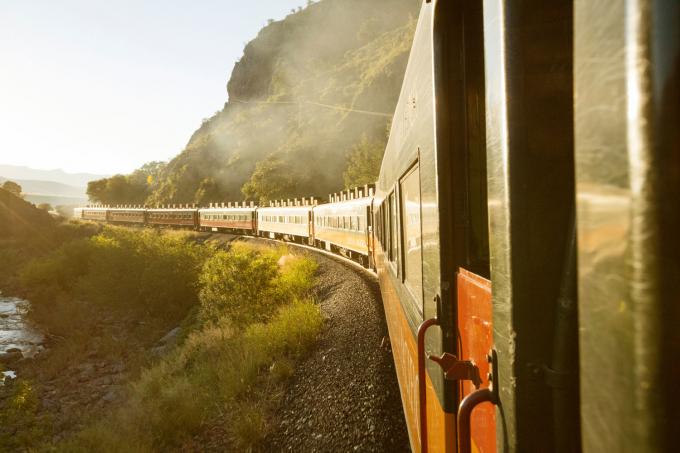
[76, 180]
[51, 188]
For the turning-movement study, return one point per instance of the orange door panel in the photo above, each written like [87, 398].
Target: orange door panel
[475, 314]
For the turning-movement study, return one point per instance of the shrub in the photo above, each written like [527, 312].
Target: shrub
[239, 284]
[247, 285]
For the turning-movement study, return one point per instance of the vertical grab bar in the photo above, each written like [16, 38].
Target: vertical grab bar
[422, 376]
[471, 401]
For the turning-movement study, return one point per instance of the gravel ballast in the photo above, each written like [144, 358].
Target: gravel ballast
[345, 396]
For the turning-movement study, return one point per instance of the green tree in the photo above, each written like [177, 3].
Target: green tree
[45, 206]
[208, 191]
[272, 179]
[363, 162]
[12, 187]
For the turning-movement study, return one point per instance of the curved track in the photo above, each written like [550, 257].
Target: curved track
[344, 396]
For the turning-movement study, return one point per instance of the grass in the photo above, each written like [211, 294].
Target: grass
[218, 370]
[252, 320]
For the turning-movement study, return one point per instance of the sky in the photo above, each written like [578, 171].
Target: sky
[104, 86]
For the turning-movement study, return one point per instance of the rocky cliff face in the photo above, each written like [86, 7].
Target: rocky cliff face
[307, 90]
[298, 103]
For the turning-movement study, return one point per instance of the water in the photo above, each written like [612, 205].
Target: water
[16, 332]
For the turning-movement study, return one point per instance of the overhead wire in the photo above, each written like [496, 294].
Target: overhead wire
[319, 104]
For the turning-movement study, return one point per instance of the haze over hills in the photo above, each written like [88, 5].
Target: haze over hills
[310, 104]
[16, 173]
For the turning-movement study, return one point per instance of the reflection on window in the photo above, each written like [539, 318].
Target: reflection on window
[394, 232]
[411, 239]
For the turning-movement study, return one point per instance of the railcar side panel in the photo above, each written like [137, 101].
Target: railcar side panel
[99, 214]
[285, 221]
[173, 217]
[127, 215]
[228, 218]
[407, 246]
[343, 224]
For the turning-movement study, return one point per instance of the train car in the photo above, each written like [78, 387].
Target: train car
[127, 215]
[513, 118]
[179, 217]
[344, 225]
[286, 221]
[98, 214]
[241, 220]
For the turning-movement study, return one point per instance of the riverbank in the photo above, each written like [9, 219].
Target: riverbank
[140, 333]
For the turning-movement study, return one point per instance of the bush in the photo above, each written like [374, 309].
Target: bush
[247, 285]
[229, 367]
[119, 270]
[239, 284]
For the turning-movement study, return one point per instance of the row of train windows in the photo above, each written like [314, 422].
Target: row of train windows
[224, 217]
[171, 216]
[299, 219]
[126, 214]
[399, 231]
[347, 222]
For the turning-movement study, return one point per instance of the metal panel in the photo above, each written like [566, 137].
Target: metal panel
[285, 227]
[528, 52]
[627, 93]
[356, 241]
[214, 218]
[476, 340]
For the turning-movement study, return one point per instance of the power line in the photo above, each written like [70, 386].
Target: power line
[319, 104]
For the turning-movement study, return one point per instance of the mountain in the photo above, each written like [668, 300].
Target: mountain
[15, 173]
[51, 188]
[310, 103]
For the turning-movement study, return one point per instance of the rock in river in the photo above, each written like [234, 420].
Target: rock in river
[10, 357]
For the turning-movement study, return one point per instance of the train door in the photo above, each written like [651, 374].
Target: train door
[461, 151]
[369, 233]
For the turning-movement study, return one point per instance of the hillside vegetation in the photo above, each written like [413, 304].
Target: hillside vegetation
[309, 108]
[106, 383]
[27, 232]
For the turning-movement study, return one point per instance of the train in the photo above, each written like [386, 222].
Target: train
[523, 227]
[342, 226]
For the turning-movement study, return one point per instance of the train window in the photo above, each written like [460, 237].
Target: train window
[411, 232]
[394, 229]
[359, 224]
[351, 223]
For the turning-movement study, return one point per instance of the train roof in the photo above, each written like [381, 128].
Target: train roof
[364, 201]
[173, 209]
[304, 208]
[232, 209]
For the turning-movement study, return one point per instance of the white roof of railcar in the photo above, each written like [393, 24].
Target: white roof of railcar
[347, 204]
[173, 209]
[246, 209]
[286, 209]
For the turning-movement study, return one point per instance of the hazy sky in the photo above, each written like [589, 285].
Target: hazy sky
[105, 86]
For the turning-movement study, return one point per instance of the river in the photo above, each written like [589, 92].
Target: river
[16, 332]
